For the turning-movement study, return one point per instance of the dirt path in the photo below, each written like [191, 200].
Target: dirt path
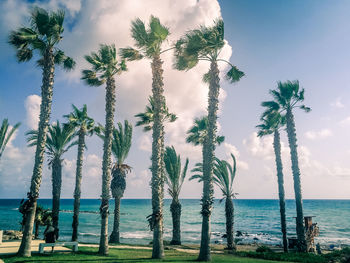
[11, 247]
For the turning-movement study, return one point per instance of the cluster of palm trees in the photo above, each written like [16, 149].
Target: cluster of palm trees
[278, 114]
[201, 44]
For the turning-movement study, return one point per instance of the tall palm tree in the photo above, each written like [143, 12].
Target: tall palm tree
[43, 35]
[59, 140]
[148, 44]
[105, 66]
[174, 179]
[272, 122]
[146, 118]
[84, 126]
[288, 96]
[205, 44]
[122, 139]
[224, 175]
[6, 134]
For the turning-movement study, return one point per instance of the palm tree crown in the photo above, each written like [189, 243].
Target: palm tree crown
[224, 175]
[146, 118]
[121, 142]
[271, 121]
[45, 31]
[204, 44]
[174, 176]
[288, 95]
[198, 132]
[104, 65]
[59, 140]
[80, 119]
[6, 134]
[148, 42]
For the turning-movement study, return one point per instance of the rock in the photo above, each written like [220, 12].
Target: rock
[12, 235]
[255, 238]
[239, 234]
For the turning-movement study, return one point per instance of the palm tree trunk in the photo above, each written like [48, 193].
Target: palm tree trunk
[208, 160]
[279, 166]
[106, 165]
[175, 209]
[229, 213]
[36, 232]
[45, 112]
[292, 139]
[157, 158]
[77, 191]
[56, 190]
[115, 236]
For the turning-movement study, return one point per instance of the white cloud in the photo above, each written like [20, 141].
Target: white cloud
[32, 105]
[314, 135]
[337, 103]
[229, 148]
[345, 121]
[260, 147]
[15, 170]
[145, 143]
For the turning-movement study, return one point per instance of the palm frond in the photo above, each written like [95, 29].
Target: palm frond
[139, 33]
[234, 74]
[5, 134]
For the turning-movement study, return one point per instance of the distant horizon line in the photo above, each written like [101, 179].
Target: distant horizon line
[339, 199]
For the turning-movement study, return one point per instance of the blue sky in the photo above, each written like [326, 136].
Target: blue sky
[270, 41]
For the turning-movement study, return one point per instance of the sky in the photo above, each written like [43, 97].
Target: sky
[271, 40]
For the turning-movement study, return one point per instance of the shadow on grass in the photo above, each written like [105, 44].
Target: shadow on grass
[90, 256]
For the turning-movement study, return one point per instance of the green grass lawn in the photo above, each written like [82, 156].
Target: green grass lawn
[87, 254]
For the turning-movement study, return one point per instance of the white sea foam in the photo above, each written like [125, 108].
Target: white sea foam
[137, 234]
[89, 234]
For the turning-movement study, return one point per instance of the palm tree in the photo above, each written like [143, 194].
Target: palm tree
[272, 121]
[288, 96]
[59, 140]
[105, 66]
[174, 179]
[146, 118]
[224, 175]
[198, 132]
[6, 134]
[120, 147]
[205, 44]
[43, 35]
[149, 45]
[84, 125]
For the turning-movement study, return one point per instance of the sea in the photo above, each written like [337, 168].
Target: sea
[257, 220]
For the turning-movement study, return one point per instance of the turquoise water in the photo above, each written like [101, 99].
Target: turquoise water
[258, 219]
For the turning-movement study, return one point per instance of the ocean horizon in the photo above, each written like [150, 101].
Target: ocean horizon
[257, 219]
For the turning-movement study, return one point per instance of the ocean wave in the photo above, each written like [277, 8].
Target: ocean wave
[332, 240]
[80, 212]
[136, 234]
[89, 234]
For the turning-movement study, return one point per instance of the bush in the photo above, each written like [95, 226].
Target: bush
[263, 249]
[340, 256]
